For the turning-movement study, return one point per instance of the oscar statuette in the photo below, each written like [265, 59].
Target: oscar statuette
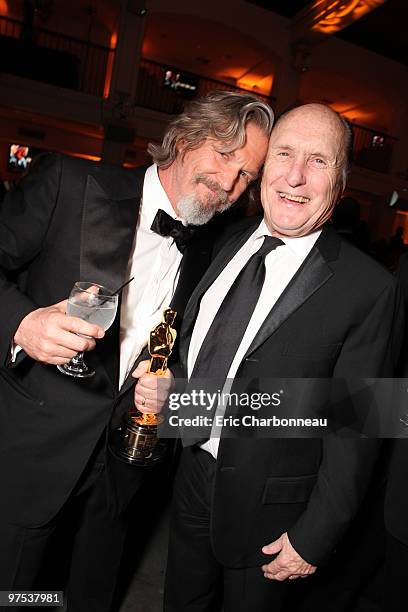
[136, 442]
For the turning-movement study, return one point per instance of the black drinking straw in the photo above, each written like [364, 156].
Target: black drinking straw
[105, 299]
[118, 290]
[122, 286]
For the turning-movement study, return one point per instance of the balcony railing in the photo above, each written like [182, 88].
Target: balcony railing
[10, 27]
[372, 149]
[165, 88]
[53, 58]
[66, 61]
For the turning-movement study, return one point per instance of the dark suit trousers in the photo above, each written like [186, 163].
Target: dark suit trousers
[195, 581]
[33, 558]
[396, 575]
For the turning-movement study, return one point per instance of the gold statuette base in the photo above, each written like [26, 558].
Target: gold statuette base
[136, 441]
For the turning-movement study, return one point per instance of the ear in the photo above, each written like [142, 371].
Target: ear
[180, 145]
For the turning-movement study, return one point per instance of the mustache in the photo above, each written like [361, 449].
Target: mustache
[214, 186]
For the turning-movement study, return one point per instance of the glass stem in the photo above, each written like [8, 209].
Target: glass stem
[78, 360]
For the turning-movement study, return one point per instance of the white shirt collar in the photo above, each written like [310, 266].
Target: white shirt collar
[154, 198]
[300, 245]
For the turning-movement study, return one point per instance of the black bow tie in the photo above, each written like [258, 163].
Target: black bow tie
[164, 225]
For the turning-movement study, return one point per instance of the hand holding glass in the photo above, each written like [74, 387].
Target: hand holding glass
[95, 304]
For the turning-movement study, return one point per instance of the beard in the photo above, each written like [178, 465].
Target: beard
[198, 211]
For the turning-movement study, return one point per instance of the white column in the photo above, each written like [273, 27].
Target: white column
[132, 22]
[125, 70]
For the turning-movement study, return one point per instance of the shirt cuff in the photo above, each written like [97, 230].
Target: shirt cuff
[14, 351]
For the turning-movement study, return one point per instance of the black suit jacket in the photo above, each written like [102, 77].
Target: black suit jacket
[69, 220]
[396, 500]
[339, 317]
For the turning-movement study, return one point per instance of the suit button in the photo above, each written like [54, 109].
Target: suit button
[226, 469]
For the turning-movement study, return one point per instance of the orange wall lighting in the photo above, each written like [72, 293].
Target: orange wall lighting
[330, 17]
[109, 65]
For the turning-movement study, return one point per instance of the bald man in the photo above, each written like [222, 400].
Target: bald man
[253, 514]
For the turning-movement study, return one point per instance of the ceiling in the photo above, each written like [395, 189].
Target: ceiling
[209, 49]
[286, 8]
[383, 31]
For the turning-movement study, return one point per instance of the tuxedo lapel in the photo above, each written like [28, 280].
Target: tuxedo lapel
[110, 212]
[313, 273]
[108, 228]
[195, 262]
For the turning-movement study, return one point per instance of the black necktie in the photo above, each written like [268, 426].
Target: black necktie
[164, 225]
[229, 325]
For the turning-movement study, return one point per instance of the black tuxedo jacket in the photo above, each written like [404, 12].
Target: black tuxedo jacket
[339, 317]
[69, 220]
[396, 500]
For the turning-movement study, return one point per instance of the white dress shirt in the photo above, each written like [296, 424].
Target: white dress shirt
[155, 263]
[280, 267]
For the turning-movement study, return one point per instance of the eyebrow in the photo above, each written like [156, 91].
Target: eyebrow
[290, 148]
[324, 155]
[282, 146]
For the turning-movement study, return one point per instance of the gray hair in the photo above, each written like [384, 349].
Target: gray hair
[222, 115]
[349, 148]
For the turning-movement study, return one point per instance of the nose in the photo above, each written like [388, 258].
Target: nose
[228, 178]
[296, 173]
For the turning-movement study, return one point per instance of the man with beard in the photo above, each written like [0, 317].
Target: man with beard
[74, 220]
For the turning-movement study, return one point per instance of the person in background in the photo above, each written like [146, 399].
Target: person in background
[396, 499]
